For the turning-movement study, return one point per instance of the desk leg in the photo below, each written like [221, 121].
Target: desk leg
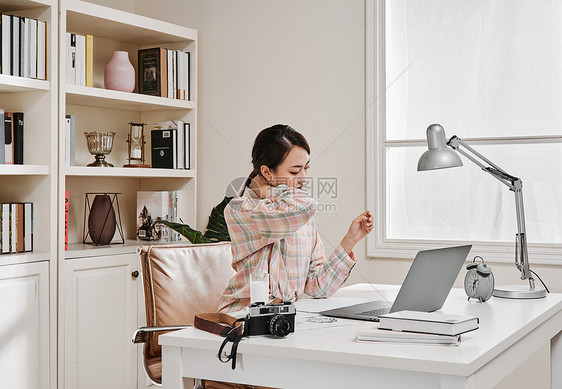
[171, 368]
[556, 361]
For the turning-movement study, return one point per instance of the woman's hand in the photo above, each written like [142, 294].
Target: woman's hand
[359, 228]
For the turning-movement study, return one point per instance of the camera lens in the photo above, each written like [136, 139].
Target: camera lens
[279, 326]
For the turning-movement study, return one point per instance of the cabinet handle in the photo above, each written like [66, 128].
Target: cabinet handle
[135, 274]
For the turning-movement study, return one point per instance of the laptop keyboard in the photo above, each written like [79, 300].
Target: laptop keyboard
[374, 312]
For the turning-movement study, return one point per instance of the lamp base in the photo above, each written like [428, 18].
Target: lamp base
[519, 292]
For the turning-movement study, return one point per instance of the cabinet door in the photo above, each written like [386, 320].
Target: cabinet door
[24, 325]
[100, 318]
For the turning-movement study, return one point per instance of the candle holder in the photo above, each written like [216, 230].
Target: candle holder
[100, 144]
[136, 142]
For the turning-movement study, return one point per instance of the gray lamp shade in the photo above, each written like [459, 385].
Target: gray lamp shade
[439, 156]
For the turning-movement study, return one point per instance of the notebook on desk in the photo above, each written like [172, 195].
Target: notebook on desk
[425, 287]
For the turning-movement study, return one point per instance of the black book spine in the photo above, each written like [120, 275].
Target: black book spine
[18, 138]
[163, 148]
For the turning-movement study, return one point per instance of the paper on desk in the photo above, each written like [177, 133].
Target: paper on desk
[314, 321]
[319, 305]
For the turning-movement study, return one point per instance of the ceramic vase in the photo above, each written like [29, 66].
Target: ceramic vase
[101, 222]
[119, 74]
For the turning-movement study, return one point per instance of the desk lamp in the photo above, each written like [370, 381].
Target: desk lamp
[438, 156]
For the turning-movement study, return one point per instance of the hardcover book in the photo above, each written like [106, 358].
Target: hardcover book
[6, 222]
[152, 74]
[164, 148]
[2, 141]
[153, 206]
[20, 229]
[8, 139]
[17, 124]
[428, 322]
[6, 21]
[28, 226]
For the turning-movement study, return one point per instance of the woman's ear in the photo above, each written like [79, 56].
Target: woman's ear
[264, 170]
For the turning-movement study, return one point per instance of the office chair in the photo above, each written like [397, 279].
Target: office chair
[179, 281]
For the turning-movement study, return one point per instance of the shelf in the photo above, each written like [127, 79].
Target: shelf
[80, 250]
[110, 23]
[24, 170]
[106, 98]
[127, 172]
[8, 6]
[17, 258]
[22, 84]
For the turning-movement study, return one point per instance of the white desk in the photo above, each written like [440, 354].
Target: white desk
[510, 331]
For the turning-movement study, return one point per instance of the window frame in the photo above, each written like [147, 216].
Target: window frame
[378, 245]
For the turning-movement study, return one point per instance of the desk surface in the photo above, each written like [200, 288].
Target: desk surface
[503, 323]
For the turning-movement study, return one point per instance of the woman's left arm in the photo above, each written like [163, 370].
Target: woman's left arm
[326, 275]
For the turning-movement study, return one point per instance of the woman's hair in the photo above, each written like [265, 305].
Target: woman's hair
[272, 146]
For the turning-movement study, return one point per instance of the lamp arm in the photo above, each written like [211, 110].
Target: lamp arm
[514, 184]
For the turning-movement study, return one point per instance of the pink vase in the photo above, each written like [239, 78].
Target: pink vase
[119, 74]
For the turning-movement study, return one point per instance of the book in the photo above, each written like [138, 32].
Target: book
[164, 148]
[8, 139]
[70, 58]
[41, 50]
[169, 72]
[15, 46]
[152, 72]
[89, 61]
[28, 227]
[153, 206]
[80, 58]
[20, 220]
[2, 141]
[6, 21]
[69, 139]
[18, 140]
[13, 228]
[389, 336]
[32, 47]
[6, 221]
[187, 145]
[177, 125]
[188, 75]
[24, 47]
[428, 322]
[66, 209]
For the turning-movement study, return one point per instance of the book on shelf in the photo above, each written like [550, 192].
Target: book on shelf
[16, 227]
[15, 46]
[152, 72]
[183, 140]
[17, 124]
[429, 322]
[2, 141]
[6, 31]
[69, 140]
[32, 48]
[153, 206]
[164, 148]
[70, 58]
[80, 69]
[8, 139]
[66, 210]
[389, 336]
[41, 50]
[89, 60]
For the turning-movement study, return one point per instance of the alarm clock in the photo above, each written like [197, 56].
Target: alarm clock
[479, 280]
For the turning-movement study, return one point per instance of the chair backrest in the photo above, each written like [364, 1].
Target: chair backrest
[179, 282]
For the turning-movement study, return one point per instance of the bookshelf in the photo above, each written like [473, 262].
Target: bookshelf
[32, 273]
[102, 277]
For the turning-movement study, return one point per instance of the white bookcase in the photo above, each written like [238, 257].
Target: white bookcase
[28, 280]
[111, 268]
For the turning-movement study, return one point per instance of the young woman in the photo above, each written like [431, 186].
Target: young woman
[273, 231]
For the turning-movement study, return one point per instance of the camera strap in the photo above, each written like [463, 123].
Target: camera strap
[224, 325]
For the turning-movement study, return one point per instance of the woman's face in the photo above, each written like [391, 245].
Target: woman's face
[292, 171]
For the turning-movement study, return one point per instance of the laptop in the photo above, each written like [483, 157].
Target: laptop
[425, 288]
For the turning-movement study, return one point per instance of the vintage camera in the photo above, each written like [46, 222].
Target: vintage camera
[275, 319]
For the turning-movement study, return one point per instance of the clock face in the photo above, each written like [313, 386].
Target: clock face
[471, 283]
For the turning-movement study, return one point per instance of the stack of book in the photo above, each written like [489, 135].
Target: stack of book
[16, 227]
[23, 47]
[164, 73]
[420, 327]
[79, 59]
[11, 139]
[171, 144]
[153, 206]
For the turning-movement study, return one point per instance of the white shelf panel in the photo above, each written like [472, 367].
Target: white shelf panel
[123, 26]
[106, 98]
[22, 84]
[17, 258]
[17, 5]
[127, 172]
[24, 170]
[80, 250]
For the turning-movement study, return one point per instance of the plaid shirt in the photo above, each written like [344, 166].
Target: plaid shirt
[277, 235]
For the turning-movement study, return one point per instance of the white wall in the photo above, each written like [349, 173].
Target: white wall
[301, 63]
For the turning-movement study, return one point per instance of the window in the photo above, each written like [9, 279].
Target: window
[489, 72]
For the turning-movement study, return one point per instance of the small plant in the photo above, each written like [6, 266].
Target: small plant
[216, 230]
